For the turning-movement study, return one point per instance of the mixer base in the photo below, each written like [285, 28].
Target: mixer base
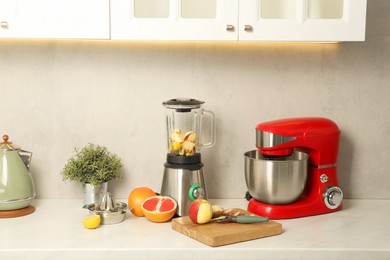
[301, 208]
[17, 212]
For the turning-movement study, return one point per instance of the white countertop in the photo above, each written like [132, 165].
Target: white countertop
[54, 231]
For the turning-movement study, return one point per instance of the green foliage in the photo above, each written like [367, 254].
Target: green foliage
[93, 164]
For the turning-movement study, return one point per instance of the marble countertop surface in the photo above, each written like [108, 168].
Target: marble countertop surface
[54, 231]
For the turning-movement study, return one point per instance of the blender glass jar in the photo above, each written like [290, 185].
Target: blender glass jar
[184, 119]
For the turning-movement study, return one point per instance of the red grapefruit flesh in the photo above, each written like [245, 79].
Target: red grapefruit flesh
[159, 208]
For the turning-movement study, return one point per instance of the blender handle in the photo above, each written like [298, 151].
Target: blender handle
[212, 128]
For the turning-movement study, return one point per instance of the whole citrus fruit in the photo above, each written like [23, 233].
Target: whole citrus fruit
[136, 197]
[91, 222]
[159, 208]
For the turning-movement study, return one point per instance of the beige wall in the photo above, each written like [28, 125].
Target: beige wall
[57, 95]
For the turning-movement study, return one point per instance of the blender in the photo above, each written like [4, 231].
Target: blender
[183, 178]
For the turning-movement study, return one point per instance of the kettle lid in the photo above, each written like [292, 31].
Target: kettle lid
[7, 145]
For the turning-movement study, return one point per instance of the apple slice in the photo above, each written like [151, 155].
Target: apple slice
[190, 153]
[190, 136]
[177, 136]
[188, 148]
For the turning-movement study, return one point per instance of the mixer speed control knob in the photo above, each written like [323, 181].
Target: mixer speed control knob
[332, 197]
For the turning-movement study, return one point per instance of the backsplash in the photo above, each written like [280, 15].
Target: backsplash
[58, 95]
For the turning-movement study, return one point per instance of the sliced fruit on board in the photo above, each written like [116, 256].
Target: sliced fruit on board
[219, 234]
[200, 211]
[159, 208]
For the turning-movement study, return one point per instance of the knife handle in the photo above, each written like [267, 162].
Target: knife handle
[250, 219]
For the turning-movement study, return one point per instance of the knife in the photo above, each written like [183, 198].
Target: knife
[243, 219]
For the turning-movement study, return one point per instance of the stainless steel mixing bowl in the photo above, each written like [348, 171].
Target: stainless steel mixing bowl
[277, 180]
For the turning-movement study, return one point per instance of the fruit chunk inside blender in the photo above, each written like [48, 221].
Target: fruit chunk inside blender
[182, 143]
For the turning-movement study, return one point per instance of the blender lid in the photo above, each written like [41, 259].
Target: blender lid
[7, 145]
[189, 103]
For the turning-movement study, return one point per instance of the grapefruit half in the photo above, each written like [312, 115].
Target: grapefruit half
[159, 208]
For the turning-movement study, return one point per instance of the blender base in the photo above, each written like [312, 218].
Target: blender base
[302, 208]
[183, 185]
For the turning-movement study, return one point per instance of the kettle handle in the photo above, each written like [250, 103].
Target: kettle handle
[26, 158]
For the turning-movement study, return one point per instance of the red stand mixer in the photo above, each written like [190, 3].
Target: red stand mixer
[293, 172]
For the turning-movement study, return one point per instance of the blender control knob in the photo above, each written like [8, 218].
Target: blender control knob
[333, 196]
[196, 192]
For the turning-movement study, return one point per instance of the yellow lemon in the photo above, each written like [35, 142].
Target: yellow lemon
[176, 146]
[92, 221]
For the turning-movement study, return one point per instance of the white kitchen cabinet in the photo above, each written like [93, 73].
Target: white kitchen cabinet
[73, 19]
[243, 20]
[302, 20]
[174, 19]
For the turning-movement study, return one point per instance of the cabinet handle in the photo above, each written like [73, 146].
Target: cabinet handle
[4, 24]
[248, 28]
[230, 28]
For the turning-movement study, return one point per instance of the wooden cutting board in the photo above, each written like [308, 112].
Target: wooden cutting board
[219, 234]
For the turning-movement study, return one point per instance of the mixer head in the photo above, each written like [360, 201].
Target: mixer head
[319, 137]
[266, 142]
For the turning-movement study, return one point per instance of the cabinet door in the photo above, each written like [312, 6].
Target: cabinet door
[302, 20]
[174, 19]
[88, 19]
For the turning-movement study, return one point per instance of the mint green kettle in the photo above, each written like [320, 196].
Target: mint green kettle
[16, 183]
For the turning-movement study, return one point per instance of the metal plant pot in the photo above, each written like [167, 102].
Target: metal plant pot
[92, 194]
